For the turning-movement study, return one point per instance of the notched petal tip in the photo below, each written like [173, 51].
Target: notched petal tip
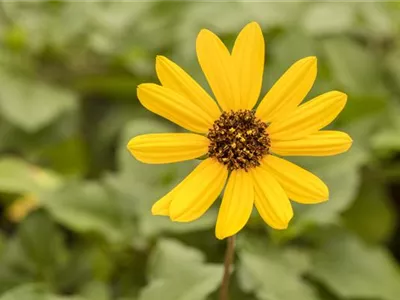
[308, 62]
[144, 86]
[348, 142]
[280, 227]
[284, 223]
[140, 86]
[312, 60]
[322, 192]
[324, 195]
[131, 145]
[148, 85]
[341, 93]
[337, 94]
[221, 235]
[160, 59]
[312, 63]
[178, 218]
[339, 97]
[159, 210]
[342, 135]
[281, 224]
[161, 207]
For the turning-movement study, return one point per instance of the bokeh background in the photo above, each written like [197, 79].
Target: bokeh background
[75, 206]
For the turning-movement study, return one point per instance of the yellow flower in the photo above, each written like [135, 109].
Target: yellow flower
[239, 143]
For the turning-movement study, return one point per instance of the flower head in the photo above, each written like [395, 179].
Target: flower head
[242, 145]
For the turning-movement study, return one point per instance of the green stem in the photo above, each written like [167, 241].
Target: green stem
[229, 254]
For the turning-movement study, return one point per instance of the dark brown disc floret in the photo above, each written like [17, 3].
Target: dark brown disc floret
[239, 140]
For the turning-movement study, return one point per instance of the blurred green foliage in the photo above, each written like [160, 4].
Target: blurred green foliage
[68, 106]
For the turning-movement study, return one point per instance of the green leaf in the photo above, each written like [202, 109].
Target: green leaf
[89, 207]
[224, 17]
[95, 290]
[355, 70]
[69, 157]
[34, 292]
[351, 269]
[387, 139]
[321, 18]
[31, 105]
[35, 254]
[178, 272]
[377, 19]
[353, 66]
[42, 242]
[29, 291]
[88, 264]
[284, 54]
[271, 14]
[18, 176]
[273, 273]
[372, 216]
[171, 257]
[392, 63]
[114, 20]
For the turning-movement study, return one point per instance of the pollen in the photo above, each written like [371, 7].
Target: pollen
[239, 140]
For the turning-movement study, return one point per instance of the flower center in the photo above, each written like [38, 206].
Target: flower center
[238, 140]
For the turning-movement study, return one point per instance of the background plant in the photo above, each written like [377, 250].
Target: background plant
[76, 222]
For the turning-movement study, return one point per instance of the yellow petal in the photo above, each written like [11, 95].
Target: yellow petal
[299, 184]
[309, 117]
[174, 107]
[198, 191]
[161, 207]
[161, 148]
[321, 143]
[236, 205]
[289, 90]
[271, 200]
[217, 66]
[173, 77]
[248, 58]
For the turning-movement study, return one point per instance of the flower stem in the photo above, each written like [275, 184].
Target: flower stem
[229, 254]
